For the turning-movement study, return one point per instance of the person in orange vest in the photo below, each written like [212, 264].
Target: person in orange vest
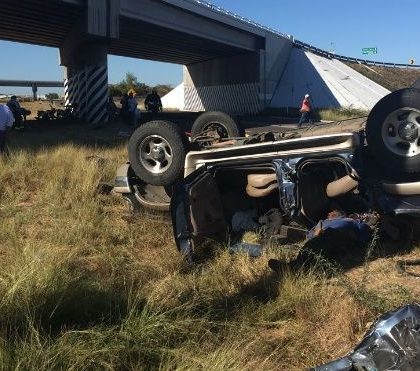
[305, 110]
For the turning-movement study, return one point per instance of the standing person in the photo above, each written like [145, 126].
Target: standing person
[124, 107]
[14, 106]
[153, 102]
[305, 110]
[6, 122]
[132, 109]
[112, 109]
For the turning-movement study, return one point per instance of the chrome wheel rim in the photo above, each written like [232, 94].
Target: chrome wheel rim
[401, 132]
[155, 154]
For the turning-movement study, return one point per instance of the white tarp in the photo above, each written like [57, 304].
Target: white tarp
[174, 99]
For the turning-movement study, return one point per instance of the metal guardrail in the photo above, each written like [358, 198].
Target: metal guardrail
[248, 21]
[298, 43]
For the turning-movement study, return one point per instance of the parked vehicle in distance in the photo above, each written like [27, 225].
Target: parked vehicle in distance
[210, 179]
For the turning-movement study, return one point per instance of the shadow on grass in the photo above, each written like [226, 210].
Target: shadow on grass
[39, 134]
[82, 304]
[77, 305]
[260, 289]
[227, 307]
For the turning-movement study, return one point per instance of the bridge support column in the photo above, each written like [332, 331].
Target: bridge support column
[86, 83]
[244, 83]
[87, 87]
[276, 56]
[229, 84]
[84, 55]
[34, 91]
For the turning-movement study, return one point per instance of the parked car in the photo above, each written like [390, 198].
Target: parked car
[205, 183]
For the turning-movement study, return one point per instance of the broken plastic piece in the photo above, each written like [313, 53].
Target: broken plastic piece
[252, 249]
[393, 343]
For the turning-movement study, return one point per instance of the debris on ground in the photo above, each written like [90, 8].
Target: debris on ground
[98, 159]
[252, 249]
[104, 188]
[393, 343]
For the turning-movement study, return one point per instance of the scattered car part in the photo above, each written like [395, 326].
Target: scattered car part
[253, 250]
[139, 195]
[402, 266]
[271, 223]
[393, 343]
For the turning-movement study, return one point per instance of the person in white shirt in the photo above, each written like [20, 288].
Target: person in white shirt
[6, 122]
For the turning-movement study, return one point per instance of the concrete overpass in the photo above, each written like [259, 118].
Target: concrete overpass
[32, 84]
[225, 58]
[229, 64]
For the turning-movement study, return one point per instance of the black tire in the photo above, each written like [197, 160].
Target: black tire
[229, 128]
[387, 140]
[162, 140]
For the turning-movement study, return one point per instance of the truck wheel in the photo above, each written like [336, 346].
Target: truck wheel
[215, 123]
[393, 131]
[157, 151]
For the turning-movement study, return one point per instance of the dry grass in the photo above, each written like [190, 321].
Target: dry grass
[86, 286]
[389, 77]
[341, 114]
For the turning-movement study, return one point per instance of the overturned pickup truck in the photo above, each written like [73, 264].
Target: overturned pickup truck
[206, 182]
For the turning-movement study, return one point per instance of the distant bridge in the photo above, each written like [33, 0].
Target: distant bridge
[32, 84]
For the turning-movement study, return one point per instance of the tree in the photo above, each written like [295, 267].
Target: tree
[51, 96]
[114, 90]
[131, 82]
[163, 89]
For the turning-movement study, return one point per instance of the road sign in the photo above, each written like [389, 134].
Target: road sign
[370, 51]
[411, 61]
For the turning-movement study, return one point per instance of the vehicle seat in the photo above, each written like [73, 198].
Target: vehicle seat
[341, 186]
[314, 201]
[260, 185]
[402, 189]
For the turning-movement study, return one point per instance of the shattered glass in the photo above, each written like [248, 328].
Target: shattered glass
[393, 343]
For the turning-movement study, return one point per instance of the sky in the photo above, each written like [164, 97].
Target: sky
[343, 26]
